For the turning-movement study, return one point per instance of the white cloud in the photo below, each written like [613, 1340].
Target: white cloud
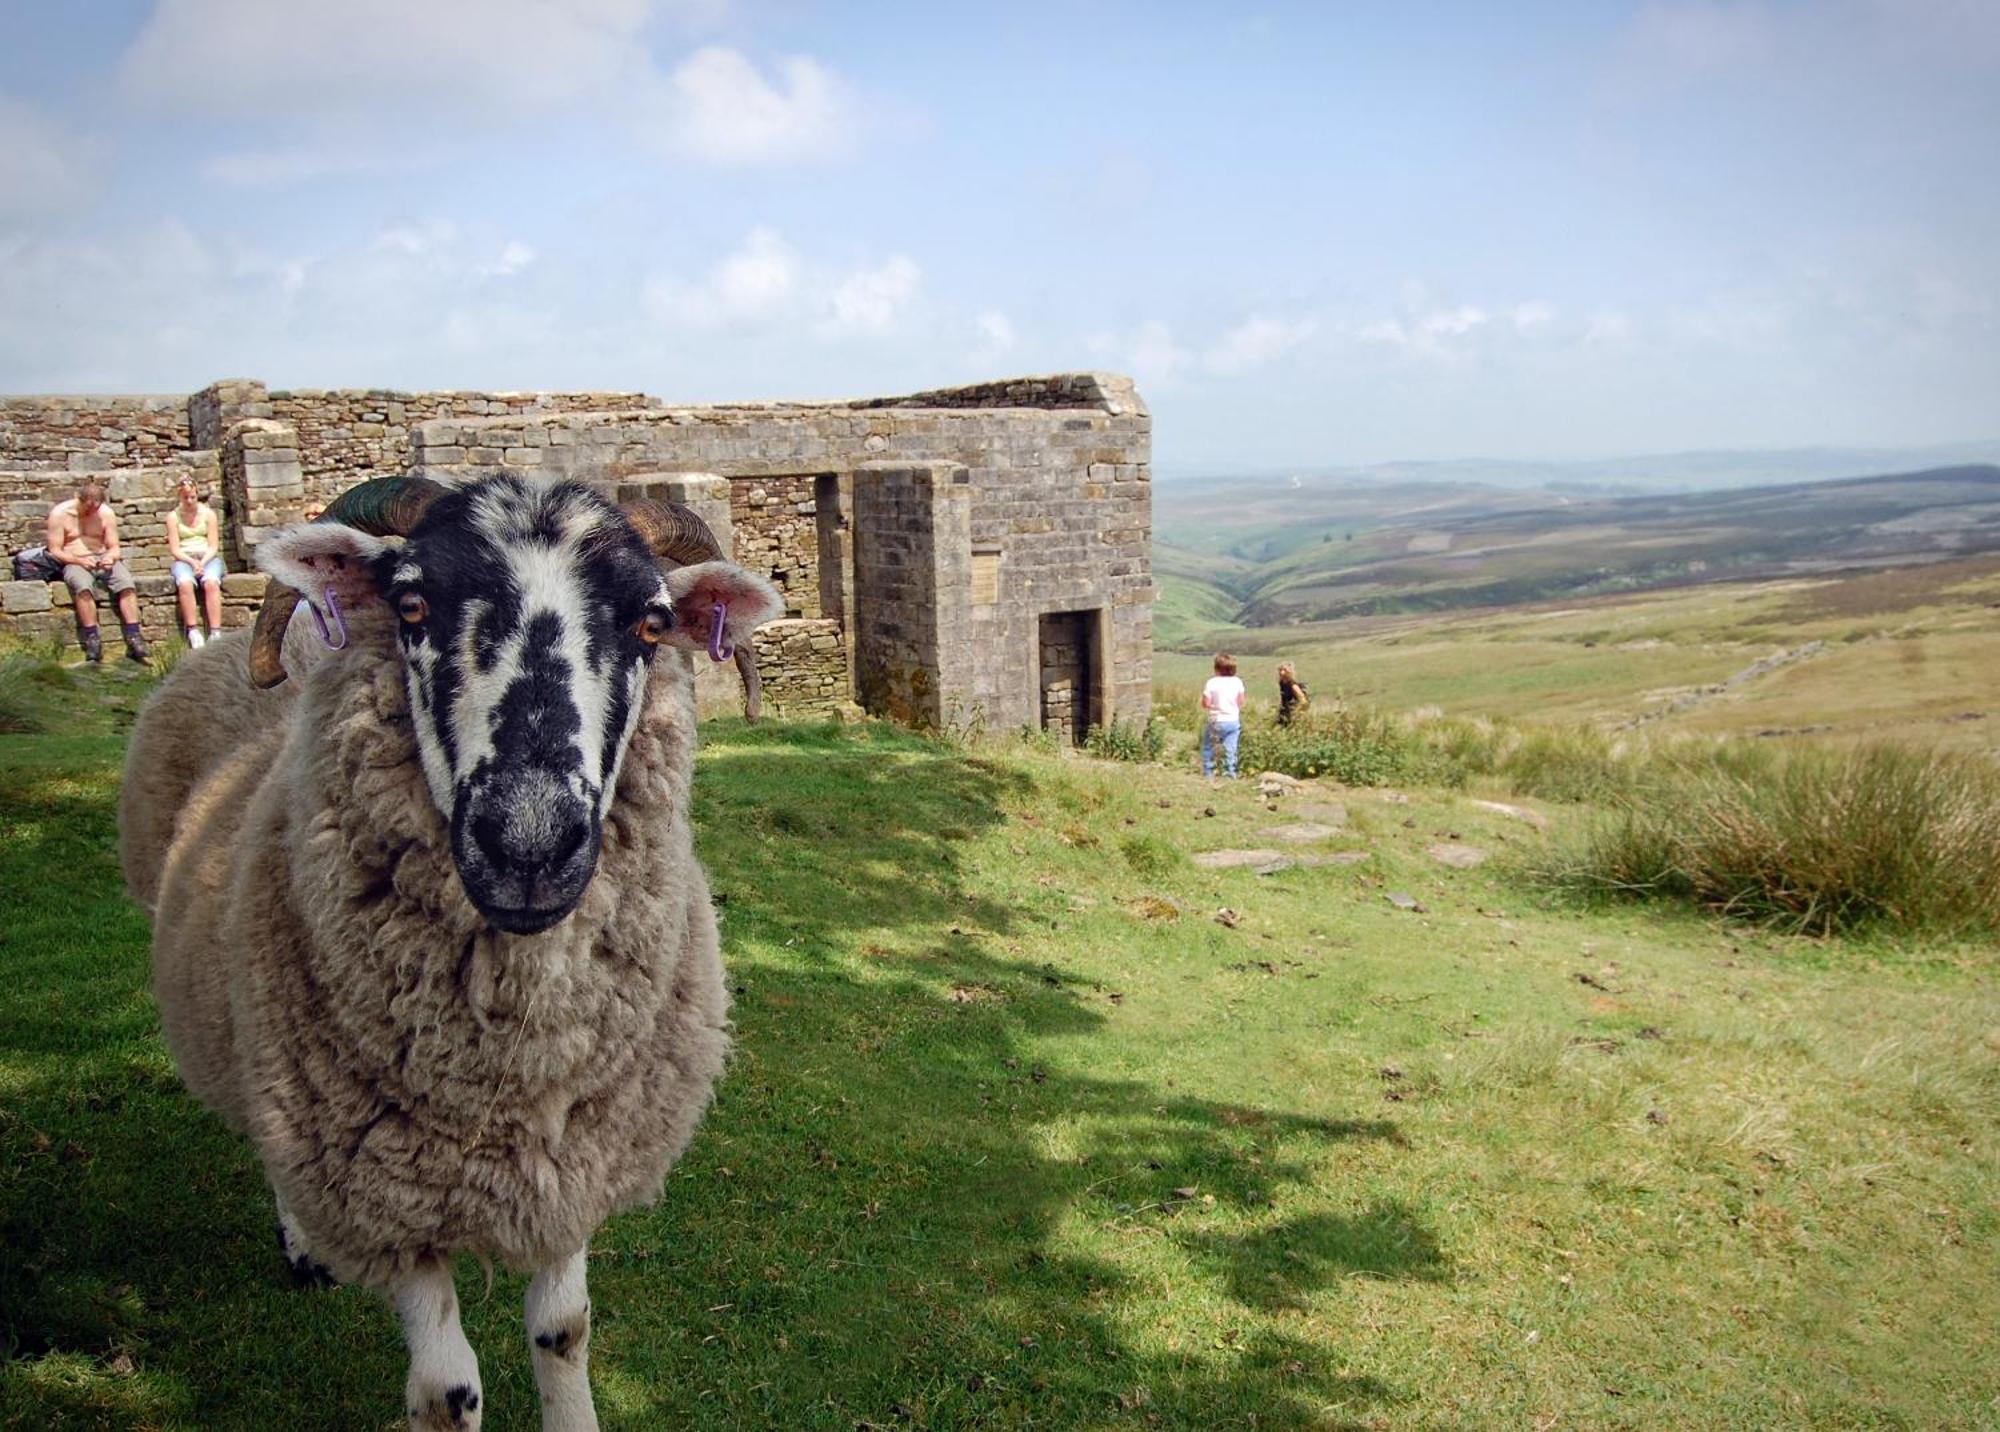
[995, 330]
[1438, 334]
[343, 58]
[512, 258]
[318, 158]
[1608, 328]
[348, 87]
[1527, 317]
[415, 239]
[753, 285]
[872, 300]
[1149, 354]
[1255, 342]
[764, 283]
[1747, 320]
[44, 168]
[717, 107]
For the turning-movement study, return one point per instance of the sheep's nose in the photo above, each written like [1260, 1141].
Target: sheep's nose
[531, 826]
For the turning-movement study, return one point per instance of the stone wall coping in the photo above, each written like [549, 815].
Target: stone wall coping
[1107, 393]
[422, 395]
[95, 400]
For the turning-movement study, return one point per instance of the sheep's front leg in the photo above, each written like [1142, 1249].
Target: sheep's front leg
[442, 1394]
[559, 1334]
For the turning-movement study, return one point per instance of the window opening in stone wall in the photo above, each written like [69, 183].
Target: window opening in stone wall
[775, 522]
[1067, 642]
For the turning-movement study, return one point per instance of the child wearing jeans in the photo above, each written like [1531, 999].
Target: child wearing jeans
[1222, 713]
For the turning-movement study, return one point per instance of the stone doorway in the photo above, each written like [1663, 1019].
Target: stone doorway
[1070, 667]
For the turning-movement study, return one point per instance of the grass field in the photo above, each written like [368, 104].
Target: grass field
[1909, 653]
[1020, 1134]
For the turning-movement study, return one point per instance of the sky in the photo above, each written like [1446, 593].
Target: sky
[1315, 234]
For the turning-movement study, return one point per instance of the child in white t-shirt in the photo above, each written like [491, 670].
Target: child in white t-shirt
[1222, 715]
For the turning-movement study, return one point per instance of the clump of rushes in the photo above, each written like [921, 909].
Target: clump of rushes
[1815, 841]
[1362, 746]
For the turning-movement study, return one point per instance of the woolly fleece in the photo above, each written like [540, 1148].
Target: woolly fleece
[415, 1082]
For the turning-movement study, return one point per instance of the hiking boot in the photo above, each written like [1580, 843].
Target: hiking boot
[92, 642]
[135, 647]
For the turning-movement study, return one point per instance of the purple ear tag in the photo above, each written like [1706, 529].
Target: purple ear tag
[339, 622]
[718, 650]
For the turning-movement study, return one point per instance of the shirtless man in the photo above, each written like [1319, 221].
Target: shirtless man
[83, 536]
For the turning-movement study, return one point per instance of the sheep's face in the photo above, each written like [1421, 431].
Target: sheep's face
[529, 616]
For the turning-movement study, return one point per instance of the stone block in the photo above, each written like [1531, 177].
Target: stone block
[18, 597]
[244, 584]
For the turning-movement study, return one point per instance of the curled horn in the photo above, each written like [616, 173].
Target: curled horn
[678, 534]
[383, 507]
[673, 531]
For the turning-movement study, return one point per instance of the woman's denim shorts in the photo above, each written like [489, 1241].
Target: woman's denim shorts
[211, 572]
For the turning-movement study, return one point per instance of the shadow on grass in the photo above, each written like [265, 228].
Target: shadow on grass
[893, 1218]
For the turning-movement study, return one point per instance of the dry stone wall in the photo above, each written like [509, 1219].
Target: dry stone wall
[347, 436]
[1060, 507]
[912, 577]
[919, 541]
[92, 434]
[776, 521]
[804, 666]
[142, 498]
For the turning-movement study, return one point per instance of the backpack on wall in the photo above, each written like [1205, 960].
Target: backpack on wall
[35, 564]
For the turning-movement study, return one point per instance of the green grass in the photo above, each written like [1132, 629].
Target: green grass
[1189, 610]
[1906, 655]
[1019, 1135]
[1823, 842]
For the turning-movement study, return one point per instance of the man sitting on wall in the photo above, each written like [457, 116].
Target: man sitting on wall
[83, 536]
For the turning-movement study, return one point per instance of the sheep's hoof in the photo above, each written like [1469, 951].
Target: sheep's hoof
[456, 1409]
[307, 1271]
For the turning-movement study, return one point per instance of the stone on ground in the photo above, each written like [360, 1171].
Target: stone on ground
[1456, 854]
[1513, 812]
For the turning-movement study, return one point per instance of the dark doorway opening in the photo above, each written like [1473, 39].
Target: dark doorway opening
[1069, 669]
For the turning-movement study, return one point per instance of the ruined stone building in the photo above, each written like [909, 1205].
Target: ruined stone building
[970, 556]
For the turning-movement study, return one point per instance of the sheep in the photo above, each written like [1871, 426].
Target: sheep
[428, 925]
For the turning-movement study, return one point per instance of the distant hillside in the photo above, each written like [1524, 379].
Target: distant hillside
[1445, 548]
[1695, 471]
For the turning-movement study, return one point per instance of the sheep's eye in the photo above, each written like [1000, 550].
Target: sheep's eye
[653, 627]
[412, 608]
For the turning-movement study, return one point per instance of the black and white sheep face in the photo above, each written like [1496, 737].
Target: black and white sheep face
[528, 615]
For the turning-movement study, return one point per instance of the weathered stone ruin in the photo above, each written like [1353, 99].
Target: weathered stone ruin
[974, 556]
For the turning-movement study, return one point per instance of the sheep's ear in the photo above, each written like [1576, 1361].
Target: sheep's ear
[310, 557]
[748, 599]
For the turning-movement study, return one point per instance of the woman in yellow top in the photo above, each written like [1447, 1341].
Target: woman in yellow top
[194, 542]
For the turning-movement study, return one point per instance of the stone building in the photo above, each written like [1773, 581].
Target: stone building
[975, 556]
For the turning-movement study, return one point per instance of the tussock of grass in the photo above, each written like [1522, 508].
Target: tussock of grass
[1818, 842]
[32, 685]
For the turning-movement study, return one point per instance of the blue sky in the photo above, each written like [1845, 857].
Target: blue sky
[1316, 234]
